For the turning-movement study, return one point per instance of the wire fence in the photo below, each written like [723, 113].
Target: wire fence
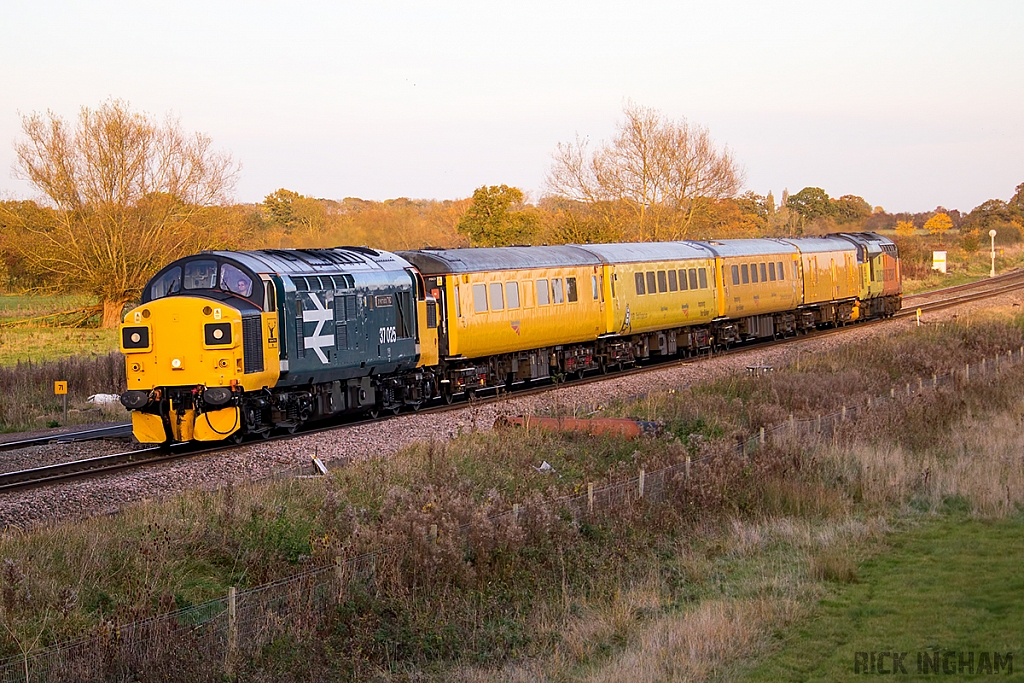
[215, 634]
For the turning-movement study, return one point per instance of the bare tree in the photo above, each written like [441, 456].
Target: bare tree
[129, 194]
[655, 174]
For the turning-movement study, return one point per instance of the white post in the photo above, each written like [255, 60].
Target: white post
[992, 235]
[641, 487]
[590, 497]
[232, 628]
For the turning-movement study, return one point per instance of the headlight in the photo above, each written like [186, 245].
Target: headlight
[135, 400]
[216, 396]
[135, 337]
[217, 333]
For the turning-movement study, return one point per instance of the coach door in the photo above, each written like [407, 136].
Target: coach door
[436, 288]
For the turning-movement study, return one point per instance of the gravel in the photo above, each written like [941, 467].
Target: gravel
[107, 494]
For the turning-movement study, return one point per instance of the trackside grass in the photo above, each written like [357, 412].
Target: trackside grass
[948, 586]
[720, 575]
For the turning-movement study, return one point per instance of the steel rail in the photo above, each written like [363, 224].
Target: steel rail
[121, 430]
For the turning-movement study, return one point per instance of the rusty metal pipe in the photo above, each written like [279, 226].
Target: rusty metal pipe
[610, 426]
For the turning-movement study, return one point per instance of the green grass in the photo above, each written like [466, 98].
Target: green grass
[41, 344]
[947, 585]
[14, 306]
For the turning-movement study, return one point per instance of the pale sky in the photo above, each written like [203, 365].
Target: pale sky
[908, 104]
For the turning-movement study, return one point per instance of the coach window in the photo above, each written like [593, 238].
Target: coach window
[593, 286]
[673, 282]
[570, 289]
[735, 275]
[693, 278]
[542, 293]
[753, 273]
[682, 279]
[771, 272]
[480, 298]
[796, 273]
[781, 271]
[652, 283]
[703, 274]
[662, 282]
[764, 273]
[745, 272]
[458, 303]
[639, 277]
[497, 301]
[557, 295]
[512, 294]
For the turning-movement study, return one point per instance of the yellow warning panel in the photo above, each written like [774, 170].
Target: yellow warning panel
[60, 388]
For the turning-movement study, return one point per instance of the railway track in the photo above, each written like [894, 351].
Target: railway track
[92, 467]
[117, 431]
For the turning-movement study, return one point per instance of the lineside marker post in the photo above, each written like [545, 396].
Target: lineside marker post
[61, 389]
[641, 484]
[515, 512]
[761, 437]
[967, 372]
[433, 534]
[338, 575]
[687, 467]
[590, 497]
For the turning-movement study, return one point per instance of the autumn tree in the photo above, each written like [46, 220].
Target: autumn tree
[655, 174]
[497, 218]
[811, 203]
[128, 194]
[294, 213]
[905, 228]
[939, 224]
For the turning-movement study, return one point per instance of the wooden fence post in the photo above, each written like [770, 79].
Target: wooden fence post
[433, 534]
[515, 512]
[761, 437]
[232, 629]
[687, 467]
[641, 484]
[590, 497]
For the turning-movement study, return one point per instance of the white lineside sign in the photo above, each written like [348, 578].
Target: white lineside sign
[939, 261]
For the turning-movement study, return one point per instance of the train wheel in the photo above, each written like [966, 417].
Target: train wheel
[396, 409]
[447, 396]
[292, 428]
[237, 437]
[375, 413]
[265, 434]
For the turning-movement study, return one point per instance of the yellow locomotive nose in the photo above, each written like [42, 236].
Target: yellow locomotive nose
[183, 360]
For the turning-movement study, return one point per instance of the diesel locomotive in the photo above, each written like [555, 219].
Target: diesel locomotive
[227, 343]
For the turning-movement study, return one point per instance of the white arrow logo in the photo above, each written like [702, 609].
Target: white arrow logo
[320, 316]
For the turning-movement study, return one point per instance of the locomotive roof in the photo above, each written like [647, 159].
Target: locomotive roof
[435, 261]
[316, 261]
[638, 252]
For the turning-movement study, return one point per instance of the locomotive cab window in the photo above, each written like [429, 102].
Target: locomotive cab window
[234, 280]
[201, 275]
[169, 283]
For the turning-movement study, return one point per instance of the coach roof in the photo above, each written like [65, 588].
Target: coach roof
[435, 261]
[642, 252]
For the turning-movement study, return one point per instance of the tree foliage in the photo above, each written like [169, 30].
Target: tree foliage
[654, 174]
[128, 194]
[496, 218]
[811, 203]
[939, 224]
